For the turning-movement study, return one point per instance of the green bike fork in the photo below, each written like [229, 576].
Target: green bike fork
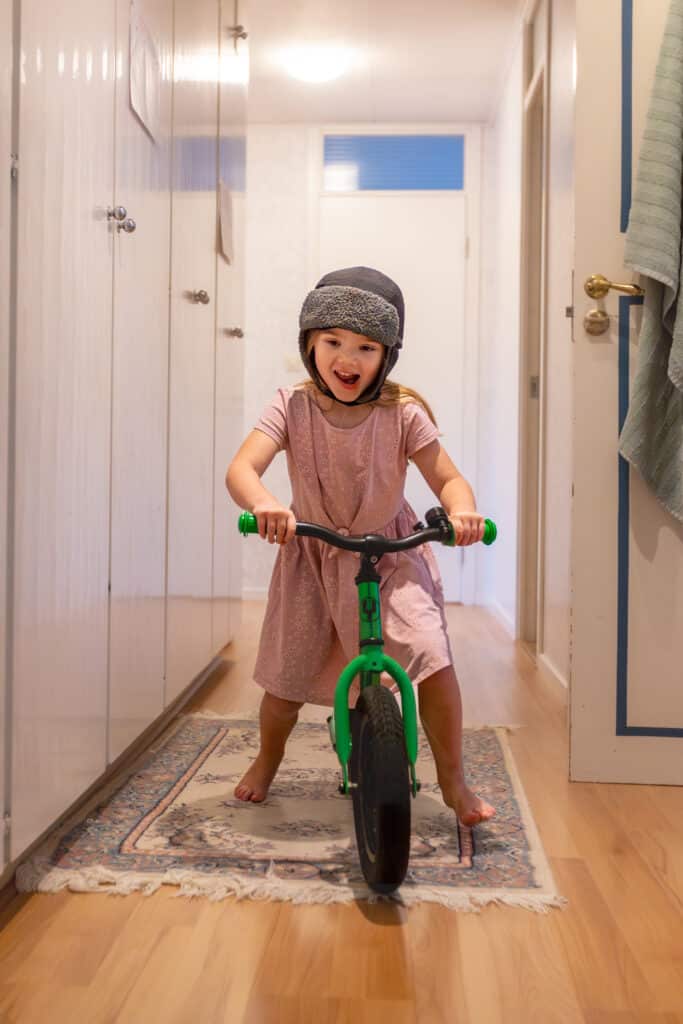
[368, 665]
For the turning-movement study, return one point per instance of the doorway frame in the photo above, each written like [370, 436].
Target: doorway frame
[533, 325]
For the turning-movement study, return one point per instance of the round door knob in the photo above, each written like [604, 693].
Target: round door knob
[117, 213]
[234, 332]
[128, 225]
[596, 321]
[201, 296]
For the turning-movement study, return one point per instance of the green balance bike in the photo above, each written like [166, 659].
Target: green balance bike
[376, 743]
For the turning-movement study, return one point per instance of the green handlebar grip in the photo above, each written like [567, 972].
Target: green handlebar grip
[490, 532]
[247, 523]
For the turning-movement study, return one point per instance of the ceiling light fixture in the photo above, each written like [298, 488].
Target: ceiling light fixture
[317, 63]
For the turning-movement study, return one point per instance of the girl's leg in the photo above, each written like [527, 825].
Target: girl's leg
[441, 714]
[277, 718]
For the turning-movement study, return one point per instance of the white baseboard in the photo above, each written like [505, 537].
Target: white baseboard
[503, 616]
[551, 669]
[254, 593]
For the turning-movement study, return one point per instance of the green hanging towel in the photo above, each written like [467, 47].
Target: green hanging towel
[652, 436]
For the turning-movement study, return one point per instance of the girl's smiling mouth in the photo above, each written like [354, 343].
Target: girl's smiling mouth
[347, 380]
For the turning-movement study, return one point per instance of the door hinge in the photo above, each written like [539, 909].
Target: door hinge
[13, 166]
[534, 387]
[569, 312]
[7, 823]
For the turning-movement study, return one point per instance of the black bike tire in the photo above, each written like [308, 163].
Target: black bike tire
[378, 770]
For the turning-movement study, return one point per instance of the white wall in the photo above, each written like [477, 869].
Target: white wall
[276, 280]
[499, 376]
[499, 356]
[555, 614]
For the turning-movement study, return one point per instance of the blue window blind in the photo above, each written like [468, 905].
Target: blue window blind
[358, 163]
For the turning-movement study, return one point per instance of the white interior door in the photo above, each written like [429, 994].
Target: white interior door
[192, 356]
[140, 379]
[230, 281]
[419, 240]
[627, 558]
[63, 385]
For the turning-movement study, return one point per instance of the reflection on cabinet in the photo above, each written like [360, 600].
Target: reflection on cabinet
[140, 398]
[126, 412]
[192, 392]
[227, 553]
[62, 387]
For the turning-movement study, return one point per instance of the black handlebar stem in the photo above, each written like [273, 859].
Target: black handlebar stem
[370, 544]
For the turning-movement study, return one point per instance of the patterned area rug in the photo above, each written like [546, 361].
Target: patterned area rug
[174, 821]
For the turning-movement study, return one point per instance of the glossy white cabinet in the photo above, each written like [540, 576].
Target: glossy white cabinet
[192, 354]
[123, 406]
[140, 392]
[63, 409]
[230, 340]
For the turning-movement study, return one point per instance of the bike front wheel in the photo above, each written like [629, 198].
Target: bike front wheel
[378, 771]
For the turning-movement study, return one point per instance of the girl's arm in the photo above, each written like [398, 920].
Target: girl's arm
[453, 492]
[243, 480]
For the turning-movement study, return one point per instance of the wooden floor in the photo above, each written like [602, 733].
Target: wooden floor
[614, 956]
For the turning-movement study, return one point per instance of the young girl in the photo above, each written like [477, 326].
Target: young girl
[348, 434]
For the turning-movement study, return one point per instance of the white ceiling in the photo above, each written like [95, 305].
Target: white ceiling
[442, 60]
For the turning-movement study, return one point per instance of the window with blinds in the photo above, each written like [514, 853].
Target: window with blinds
[375, 163]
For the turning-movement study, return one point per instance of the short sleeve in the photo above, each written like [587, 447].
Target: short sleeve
[419, 429]
[273, 419]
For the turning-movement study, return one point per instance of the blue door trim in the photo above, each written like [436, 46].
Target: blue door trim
[626, 302]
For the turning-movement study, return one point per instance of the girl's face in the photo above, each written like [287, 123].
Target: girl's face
[347, 362]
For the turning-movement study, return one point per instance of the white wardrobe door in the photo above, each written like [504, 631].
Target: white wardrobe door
[63, 408]
[5, 147]
[140, 381]
[227, 551]
[191, 423]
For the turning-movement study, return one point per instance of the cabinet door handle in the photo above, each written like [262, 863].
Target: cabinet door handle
[201, 296]
[234, 332]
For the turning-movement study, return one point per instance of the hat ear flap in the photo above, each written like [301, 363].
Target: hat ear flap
[308, 359]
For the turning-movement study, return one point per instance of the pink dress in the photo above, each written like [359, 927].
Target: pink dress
[350, 480]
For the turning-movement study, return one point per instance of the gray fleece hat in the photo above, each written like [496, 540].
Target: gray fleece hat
[361, 300]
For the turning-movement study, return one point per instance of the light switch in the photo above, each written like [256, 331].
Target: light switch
[293, 364]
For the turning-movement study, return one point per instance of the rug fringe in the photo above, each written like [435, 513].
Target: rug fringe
[37, 875]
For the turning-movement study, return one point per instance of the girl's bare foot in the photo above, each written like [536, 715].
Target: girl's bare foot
[255, 784]
[470, 808]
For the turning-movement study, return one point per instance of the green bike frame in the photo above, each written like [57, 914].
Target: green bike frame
[372, 660]
[368, 665]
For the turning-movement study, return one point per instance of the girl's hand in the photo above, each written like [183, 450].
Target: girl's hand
[469, 527]
[276, 524]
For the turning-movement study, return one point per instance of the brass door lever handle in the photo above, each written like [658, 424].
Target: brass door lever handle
[597, 287]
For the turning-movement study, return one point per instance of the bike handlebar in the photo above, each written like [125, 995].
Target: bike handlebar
[374, 543]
